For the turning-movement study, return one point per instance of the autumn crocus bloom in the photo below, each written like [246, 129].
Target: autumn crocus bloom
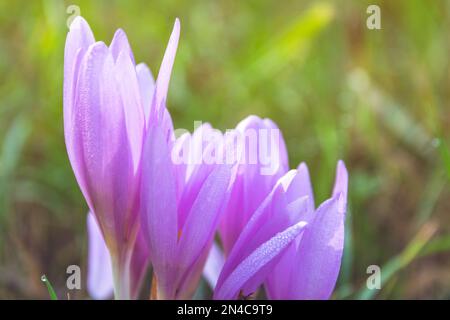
[292, 248]
[277, 222]
[262, 161]
[310, 266]
[109, 102]
[181, 206]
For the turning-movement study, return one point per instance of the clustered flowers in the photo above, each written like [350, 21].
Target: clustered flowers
[153, 205]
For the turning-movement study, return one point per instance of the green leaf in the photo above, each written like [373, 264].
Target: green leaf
[50, 289]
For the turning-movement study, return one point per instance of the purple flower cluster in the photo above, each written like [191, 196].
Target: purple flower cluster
[146, 209]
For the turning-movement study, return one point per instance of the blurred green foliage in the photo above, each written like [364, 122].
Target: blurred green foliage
[376, 98]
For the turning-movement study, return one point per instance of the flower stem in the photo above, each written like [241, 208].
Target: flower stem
[122, 276]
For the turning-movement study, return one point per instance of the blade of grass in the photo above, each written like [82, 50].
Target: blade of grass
[445, 154]
[11, 150]
[393, 266]
[438, 245]
[50, 289]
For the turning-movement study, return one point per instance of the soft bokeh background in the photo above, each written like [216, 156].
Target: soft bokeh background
[379, 99]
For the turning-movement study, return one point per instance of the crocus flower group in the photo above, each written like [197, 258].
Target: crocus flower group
[148, 210]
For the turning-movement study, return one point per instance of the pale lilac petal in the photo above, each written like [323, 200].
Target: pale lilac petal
[167, 126]
[78, 40]
[280, 144]
[146, 87]
[197, 148]
[196, 172]
[189, 283]
[180, 152]
[278, 281]
[159, 208]
[120, 44]
[244, 245]
[213, 265]
[252, 265]
[273, 215]
[232, 222]
[341, 185]
[162, 82]
[99, 128]
[130, 96]
[309, 268]
[100, 277]
[304, 187]
[319, 255]
[257, 154]
[203, 218]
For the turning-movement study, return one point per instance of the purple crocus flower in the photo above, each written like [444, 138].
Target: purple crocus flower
[270, 230]
[181, 206]
[257, 173]
[180, 211]
[295, 250]
[310, 266]
[109, 104]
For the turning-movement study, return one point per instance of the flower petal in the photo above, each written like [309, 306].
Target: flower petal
[258, 151]
[256, 261]
[341, 185]
[130, 96]
[78, 40]
[139, 264]
[100, 278]
[99, 128]
[203, 218]
[159, 208]
[304, 187]
[213, 265]
[162, 82]
[120, 44]
[146, 87]
[319, 255]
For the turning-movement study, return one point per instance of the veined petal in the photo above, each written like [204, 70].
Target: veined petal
[232, 222]
[100, 278]
[146, 87]
[304, 187]
[130, 97]
[120, 43]
[284, 159]
[252, 265]
[162, 82]
[261, 162]
[341, 185]
[245, 244]
[202, 220]
[180, 152]
[159, 208]
[78, 40]
[99, 128]
[319, 255]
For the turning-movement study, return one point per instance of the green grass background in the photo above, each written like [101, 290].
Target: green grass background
[378, 99]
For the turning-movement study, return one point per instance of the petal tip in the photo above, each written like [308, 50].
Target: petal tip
[78, 22]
